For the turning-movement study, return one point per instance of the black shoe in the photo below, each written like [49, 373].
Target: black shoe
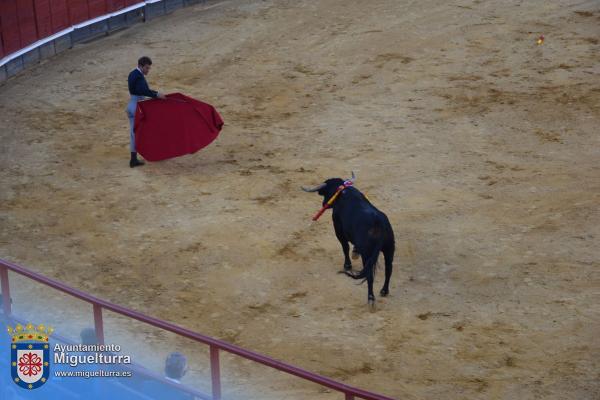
[134, 162]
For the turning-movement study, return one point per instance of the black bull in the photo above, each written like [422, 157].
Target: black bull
[357, 221]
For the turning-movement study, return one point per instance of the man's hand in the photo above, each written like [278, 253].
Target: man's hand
[161, 96]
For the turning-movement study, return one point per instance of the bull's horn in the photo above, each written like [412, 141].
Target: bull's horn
[353, 177]
[315, 189]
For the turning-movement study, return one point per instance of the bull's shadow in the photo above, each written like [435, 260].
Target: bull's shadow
[359, 222]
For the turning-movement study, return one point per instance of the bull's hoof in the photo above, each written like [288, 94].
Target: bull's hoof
[372, 303]
[348, 267]
[384, 292]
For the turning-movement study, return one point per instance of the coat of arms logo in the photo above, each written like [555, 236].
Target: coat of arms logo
[30, 355]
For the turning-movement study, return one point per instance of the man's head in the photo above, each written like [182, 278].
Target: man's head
[175, 366]
[144, 63]
[88, 336]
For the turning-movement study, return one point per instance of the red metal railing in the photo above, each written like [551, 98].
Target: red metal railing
[214, 344]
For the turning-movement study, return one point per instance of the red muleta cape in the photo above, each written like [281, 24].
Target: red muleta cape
[174, 127]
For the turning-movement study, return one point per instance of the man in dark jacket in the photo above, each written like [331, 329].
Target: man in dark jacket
[138, 89]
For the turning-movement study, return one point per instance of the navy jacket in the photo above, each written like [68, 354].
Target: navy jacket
[138, 85]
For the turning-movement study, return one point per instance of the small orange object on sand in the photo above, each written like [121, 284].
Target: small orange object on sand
[540, 40]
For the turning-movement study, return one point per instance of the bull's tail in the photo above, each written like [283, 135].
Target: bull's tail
[370, 265]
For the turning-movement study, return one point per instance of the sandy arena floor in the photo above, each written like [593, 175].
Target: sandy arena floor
[482, 148]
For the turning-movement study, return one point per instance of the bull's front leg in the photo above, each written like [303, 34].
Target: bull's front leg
[346, 250]
[339, 233]
[355, 253]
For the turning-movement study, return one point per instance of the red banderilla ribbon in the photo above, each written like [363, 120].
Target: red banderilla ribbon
[332, 199]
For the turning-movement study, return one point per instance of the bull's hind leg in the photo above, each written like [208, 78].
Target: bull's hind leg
[388, 255]
[371, 295]
[369, 272]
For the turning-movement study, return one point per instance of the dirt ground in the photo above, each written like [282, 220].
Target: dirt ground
[481, 147]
